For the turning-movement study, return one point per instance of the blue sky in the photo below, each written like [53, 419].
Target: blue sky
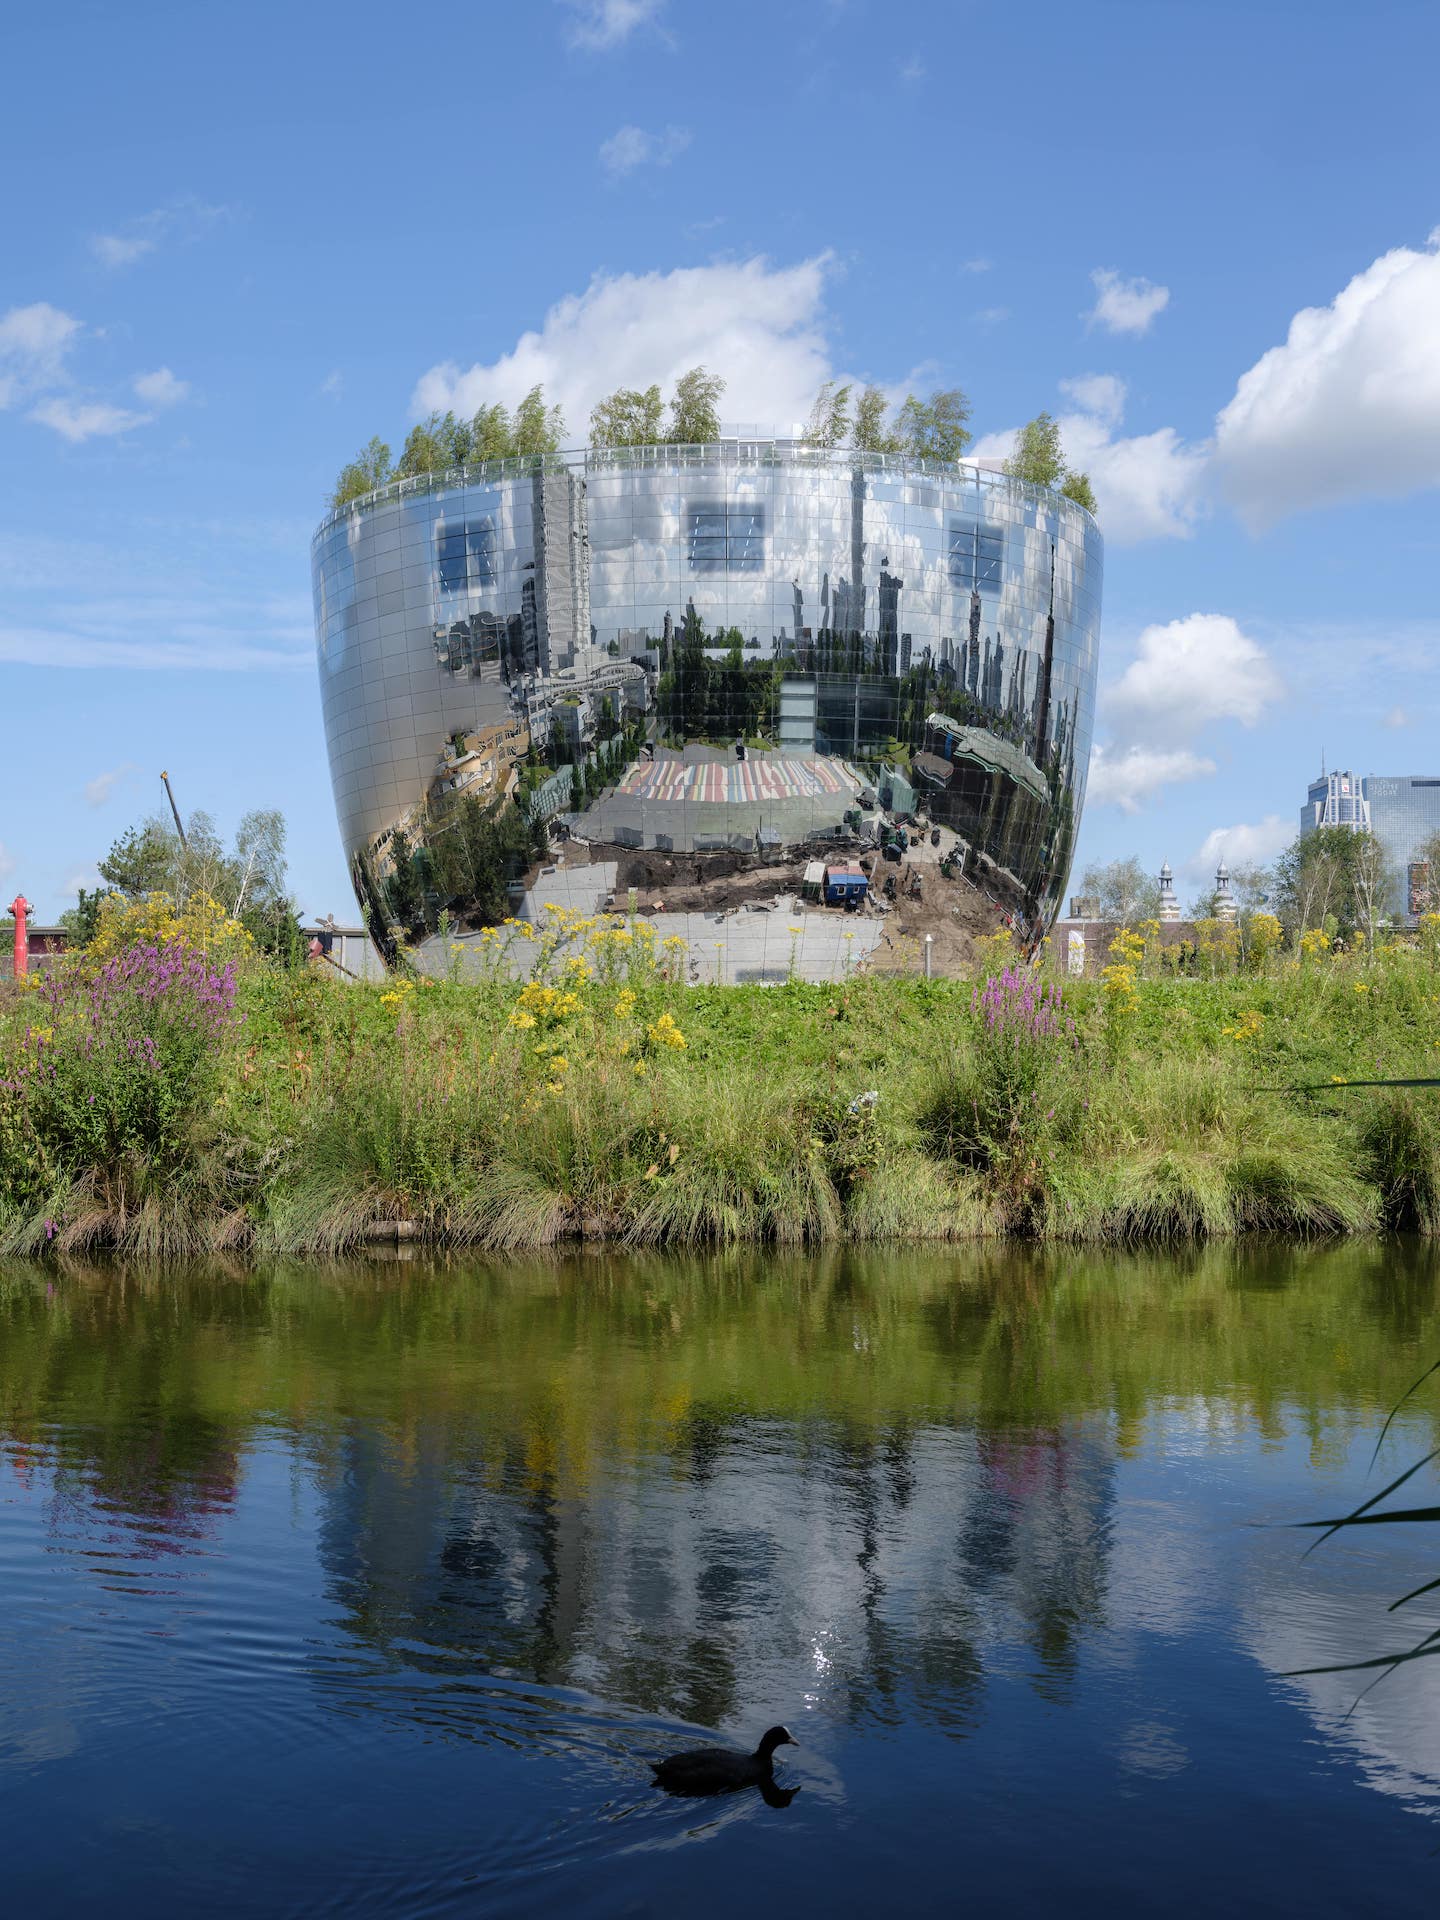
[237, 244]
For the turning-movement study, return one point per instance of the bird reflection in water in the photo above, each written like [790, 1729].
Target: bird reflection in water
[775, 1796]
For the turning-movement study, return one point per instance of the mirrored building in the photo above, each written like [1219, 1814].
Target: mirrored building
[745, 650]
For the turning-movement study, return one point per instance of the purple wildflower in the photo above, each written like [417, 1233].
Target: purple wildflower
[1018, 1010]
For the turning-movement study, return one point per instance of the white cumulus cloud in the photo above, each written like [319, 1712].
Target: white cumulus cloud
[633, 147]
[1099, 394]
[1125, 306]
[7, 860]
[161, 388]
[1350, 404]
[1124, 777]
[77, 420]
[87, 877]
[1396, 717]
[1188, 674]
[34, 341]
[1147, 485]
[600, 24]
[761, 327]
[1241, 846]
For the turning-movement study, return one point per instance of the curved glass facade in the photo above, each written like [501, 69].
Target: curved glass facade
[753, 647]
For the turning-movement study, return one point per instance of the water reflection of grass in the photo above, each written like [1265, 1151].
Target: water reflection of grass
[576, 1358]
[638, 1475]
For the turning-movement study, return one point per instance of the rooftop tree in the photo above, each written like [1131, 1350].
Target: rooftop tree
[1039, 458]
[442, 441]
[492, 434]
[369, 469]
[829, 421]
[935, 429]
[628, 418]
[537, 428]
[434, 444]
[872, 432]
[694, 420]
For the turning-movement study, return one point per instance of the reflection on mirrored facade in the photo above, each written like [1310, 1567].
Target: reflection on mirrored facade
[754, 647]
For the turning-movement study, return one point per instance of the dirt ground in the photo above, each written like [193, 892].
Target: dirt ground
[686, 882]
[951, 911]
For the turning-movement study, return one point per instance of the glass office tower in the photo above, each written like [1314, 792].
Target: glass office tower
[1404, 816]
[743, 649]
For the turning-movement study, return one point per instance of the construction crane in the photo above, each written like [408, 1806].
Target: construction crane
[170, 796]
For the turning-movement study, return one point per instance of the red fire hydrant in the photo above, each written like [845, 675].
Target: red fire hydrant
[20, 906]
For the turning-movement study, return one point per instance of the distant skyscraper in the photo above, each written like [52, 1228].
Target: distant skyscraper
[1403, 812]
[1335, 800]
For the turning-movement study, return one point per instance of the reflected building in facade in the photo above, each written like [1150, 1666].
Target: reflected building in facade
[703, 649]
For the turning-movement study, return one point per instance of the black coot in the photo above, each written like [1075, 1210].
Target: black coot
[722, 1769]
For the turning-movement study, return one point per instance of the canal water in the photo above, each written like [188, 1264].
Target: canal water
[373, 1589]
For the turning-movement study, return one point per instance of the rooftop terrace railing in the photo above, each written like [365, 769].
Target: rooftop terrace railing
[738, 450]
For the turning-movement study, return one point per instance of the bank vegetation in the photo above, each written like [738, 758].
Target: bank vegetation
[172, 1089]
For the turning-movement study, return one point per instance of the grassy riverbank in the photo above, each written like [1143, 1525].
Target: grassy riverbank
[205, 1098]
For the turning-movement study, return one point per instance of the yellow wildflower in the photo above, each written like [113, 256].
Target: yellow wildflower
[1247, 1027]
[665, 1033]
